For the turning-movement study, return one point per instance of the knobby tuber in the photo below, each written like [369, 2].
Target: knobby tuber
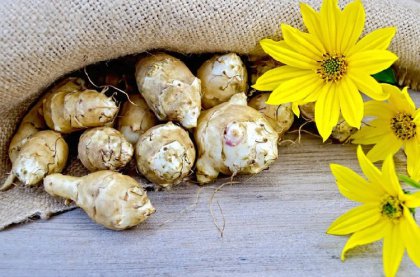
[221, 77]
[66, 112]
[44, 153]
[33, 121]
[135, 118]
[233, 138]
[111, 199]
[165, 154]
[281, 117]
[103, 148]
[169, 88]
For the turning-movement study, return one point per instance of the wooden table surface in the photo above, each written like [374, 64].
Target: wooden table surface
[274, 225]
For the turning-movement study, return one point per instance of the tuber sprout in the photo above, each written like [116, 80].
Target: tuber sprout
[165, 154]
[233, 138]
[135, 118]
[169, 88]
[43, 153]
[104, 148]
[221, 77]
[111, 199]
[66, 112]
[281, 117]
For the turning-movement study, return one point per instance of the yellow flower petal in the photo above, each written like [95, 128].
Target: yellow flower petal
[356, 219]
[376, 40]
[282, 52]
[366, 236]
[351, 103]
[352, 21]
[371, 61]
[327, 110]
[412, 200]
[310, 19]
[412, 150]
[353, 186]
[294, 90]
[390, 180]
[271, 79]
[379, 109]
[329, 15]
[411, 235]
[393, 250]
[388, 145]
[368, 85]
[372, 133]
[417, 116]
[399, 100]
[303, 43]
[295, 109]
[371, 172]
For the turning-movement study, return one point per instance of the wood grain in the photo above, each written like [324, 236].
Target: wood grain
[275, 225]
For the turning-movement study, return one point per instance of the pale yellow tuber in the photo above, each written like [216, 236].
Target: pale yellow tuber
[221, 77]
[109, 198]
[33, 121]
[233, 138]
[165, 154]
[135, 118]
[169, 88]
[44, 153]
[341, 132]
[103, 148]
[66, 112]
[281, 117]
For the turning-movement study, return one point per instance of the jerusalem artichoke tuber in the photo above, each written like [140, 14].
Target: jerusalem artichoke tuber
[109, 198]
[66, 112]
[233, 138]
[135, 118]
[104, 148]
[165, 154]
[44, 153]
[169, 88]
[221, 77]
[281, 117]
[33, 121]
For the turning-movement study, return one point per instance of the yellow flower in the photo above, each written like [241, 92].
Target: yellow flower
[396, 124]
[328, 64]
[384, 213]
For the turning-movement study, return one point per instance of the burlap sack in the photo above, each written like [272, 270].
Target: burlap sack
[43, 40]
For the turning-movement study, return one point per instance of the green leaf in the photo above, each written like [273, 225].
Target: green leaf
[408, 181]
[386, 76]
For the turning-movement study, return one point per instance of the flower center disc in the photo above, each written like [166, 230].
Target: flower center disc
[332, 68]
[392, 208]
[403, 126]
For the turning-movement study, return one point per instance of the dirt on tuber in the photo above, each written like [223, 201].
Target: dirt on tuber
[169, 88]
[103, 148]
[165, 154]
[43, 153]
[111, 199]
[67, 112]
[221, 77]
[233, 138]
